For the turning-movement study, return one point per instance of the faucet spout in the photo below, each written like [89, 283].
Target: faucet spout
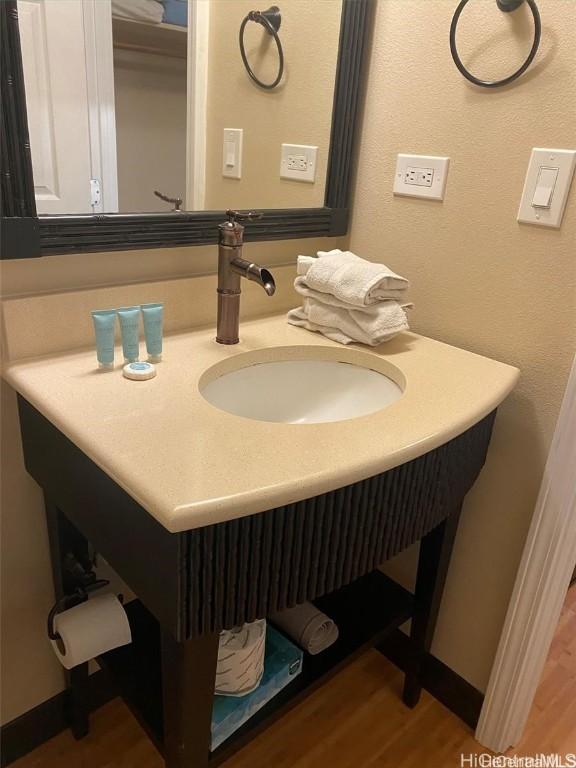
[253, 272]
[231, 269]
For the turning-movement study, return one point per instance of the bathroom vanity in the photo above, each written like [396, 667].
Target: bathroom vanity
[215, 519]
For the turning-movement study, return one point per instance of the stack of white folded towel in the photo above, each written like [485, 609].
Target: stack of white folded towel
[349, 299]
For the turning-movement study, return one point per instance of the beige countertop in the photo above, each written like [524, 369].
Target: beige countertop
[189, 464]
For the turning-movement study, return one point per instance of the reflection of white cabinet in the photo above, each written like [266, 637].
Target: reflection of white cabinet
[68, 107]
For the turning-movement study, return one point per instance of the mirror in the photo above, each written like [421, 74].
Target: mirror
[128, 97]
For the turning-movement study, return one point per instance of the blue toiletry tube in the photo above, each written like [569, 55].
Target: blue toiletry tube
[129, 325]
[153, 315]
[104, 321]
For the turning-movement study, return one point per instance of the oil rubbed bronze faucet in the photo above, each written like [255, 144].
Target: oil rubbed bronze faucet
[231, 268]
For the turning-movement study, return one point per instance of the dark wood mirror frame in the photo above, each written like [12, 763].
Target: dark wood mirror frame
[26, 235]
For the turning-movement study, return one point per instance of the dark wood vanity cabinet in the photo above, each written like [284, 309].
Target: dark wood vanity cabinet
[191, 585]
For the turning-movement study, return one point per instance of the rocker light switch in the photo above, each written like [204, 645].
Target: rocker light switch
[232, 153]
[545, 187]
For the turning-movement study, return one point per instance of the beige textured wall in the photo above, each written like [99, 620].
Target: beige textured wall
[151, 114]
[298, 111]
[480, 280]
[29, 674]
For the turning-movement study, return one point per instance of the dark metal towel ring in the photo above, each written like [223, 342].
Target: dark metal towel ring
[270, 20]
[507, 6]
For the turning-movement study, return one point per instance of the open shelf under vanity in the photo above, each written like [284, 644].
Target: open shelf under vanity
[365, 611]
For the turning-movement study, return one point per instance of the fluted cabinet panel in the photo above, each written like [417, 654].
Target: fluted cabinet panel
[250, 567]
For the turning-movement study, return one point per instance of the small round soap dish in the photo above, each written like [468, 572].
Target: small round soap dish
[139, 371]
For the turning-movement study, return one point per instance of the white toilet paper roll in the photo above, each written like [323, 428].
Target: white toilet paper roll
[89, 629]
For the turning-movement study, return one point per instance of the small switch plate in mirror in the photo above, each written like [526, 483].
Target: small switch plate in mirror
[546, 186]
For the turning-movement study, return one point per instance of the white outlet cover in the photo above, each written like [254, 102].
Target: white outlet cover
[303, 157]
[405, 167]
[564, 160]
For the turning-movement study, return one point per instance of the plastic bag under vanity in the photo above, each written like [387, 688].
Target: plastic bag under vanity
[241, 659]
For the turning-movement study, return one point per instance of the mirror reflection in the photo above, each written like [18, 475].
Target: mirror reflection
[148, 106]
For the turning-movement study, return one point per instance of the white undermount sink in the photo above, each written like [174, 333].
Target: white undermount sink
[300, 391]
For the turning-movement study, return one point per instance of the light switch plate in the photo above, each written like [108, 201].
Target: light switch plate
[564, 160]
[232, 153]
[298, 161]
[421, 176]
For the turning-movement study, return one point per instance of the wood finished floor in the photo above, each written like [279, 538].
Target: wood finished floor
[357, 720]
[552, 723]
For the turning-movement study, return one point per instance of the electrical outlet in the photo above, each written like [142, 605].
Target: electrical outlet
[426, 177]
[298, 162]
[421, 176]
[411, 176]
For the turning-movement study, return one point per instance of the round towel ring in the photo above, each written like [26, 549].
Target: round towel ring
[507, 6]
[270, 20]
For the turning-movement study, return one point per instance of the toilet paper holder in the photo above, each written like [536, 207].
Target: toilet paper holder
[86, 580]
[79, 595]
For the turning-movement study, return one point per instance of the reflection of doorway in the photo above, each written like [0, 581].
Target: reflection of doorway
[150, 83]
[539, 592]
[107, 105]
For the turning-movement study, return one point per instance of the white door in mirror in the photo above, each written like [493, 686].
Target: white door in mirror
[546, 186]
[54, 63]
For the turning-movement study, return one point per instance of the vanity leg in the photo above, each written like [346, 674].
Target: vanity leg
[64, 538]
[188, 678]
[435, 550]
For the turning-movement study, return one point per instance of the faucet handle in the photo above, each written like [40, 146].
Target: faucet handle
[243, 216]
[232, 231]
[176, 201]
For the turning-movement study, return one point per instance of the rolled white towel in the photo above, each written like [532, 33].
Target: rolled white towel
[370, 325]
[311, 629]
[349, 278]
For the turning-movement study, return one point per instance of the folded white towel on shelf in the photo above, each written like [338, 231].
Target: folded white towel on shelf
[349, 278]
[150, 11]
[368, 325]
